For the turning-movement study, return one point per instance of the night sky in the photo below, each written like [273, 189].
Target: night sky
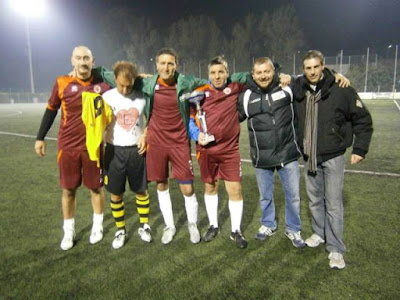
[351, 25]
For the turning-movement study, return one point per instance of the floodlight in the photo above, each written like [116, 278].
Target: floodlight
[29, 8]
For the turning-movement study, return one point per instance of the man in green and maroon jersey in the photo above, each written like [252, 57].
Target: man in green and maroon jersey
[73, 160]
[167, 139]
[220, 159]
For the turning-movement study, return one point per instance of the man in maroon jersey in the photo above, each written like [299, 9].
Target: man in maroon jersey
[220, 159]
[73, 159]
[168, 141]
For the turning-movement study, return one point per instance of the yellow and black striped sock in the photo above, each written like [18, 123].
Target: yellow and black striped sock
[143, 207]
[118, 212]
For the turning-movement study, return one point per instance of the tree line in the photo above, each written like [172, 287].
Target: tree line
[198, 38]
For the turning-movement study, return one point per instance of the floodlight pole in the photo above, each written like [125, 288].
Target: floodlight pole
[28, 42]
[395, 69]
[294, 64]
[366, 71]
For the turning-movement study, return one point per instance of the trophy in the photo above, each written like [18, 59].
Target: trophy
[195, 97]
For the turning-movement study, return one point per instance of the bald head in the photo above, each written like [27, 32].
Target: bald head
[82, 60]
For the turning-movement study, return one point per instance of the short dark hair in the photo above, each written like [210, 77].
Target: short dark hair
[169, 51]
[126, 69]
[314, 54]
[263, 60]
[218, 60]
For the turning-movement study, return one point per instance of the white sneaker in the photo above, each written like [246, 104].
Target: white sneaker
[314, 241]
[264, 232]
[96, 235]
[168, 235]
[119, 240]
[68, 240]
[336, 260]
[145, 233]
[296, 239]
[194, 233]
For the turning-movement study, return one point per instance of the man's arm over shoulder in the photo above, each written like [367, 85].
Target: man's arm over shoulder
[102, 74]
[188, 82]
[240, 106]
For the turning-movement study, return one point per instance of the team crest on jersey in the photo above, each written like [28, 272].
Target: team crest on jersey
[97, 89]
[157, 87]
[207, 93]
[227, 90]
[74, 88]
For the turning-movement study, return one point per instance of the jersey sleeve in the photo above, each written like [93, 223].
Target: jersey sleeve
[54, 101]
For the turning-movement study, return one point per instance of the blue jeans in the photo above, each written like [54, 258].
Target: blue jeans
[290, 178]
[325, 191]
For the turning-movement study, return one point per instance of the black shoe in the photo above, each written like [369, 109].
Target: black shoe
[211, 233]
[239, 239]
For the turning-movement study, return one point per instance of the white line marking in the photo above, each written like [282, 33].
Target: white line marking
[347, 171]
[26, 135]
[16, 113]
[395, 102]
[243, 160]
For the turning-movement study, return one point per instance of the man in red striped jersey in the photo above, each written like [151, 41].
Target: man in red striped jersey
[73, 160]
[220, 159]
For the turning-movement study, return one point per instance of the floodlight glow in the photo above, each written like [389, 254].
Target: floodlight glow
[29, 8]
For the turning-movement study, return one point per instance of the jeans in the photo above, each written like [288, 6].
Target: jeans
[324, 191]
[290, 178]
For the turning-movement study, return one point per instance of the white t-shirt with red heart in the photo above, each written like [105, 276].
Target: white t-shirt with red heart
[127, 125]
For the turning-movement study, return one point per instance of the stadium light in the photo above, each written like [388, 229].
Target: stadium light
[29, 8]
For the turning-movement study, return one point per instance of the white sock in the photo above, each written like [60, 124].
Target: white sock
[211, 202]
[164, 200]
[192, 207]
[69, 224]
[236, 211]
[97, 219]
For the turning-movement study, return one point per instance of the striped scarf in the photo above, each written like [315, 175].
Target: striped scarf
[311, 130]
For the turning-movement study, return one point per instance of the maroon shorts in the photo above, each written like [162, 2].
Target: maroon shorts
[214, 166]
[157, 159]
[75, 166]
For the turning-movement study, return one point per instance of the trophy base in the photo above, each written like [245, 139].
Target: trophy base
[209, 138]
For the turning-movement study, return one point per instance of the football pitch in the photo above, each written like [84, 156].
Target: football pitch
[32, 265]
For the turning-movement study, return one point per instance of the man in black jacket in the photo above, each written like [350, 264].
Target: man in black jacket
[270, 121]
[328, 118]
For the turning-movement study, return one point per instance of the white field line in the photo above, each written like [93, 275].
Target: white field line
[16, 113]
[352, 171]
[243, 160]
[395, 102]
[25, 135]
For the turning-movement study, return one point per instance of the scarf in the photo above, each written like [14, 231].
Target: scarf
[311, 129]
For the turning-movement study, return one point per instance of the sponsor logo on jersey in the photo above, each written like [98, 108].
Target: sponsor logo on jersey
[278, 95]
[227, 90]
[74, 88]
[97, 89]
[255, 100]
